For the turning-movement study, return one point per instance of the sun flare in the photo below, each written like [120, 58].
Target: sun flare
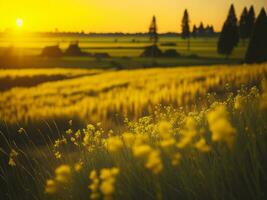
[19, 22]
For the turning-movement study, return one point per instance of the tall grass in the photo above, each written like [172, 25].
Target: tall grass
[109, 96]
[215, 152]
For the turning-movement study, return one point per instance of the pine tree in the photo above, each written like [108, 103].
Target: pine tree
[243, 25]
[186, 28]
[257, 49]
[229, 36]
[250, 21]
[153, 31]
[201, 29]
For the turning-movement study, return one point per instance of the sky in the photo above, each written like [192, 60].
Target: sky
[115, 15]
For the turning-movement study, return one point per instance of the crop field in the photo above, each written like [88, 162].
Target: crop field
[110, 95]
[134, 134]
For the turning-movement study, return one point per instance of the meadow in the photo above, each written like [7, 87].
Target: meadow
[188, 133]
[111, 95]
[124, 51]
[127, 127]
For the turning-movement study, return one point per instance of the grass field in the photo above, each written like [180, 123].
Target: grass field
[127, 127]
[201, 135]
[110, 95]
[124, 52]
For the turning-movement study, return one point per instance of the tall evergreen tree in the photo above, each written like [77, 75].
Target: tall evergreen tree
[243, 25]
[250, 21]
[153, 31]
[257, 49]
[229, 36]
[186, 28]
[201, 29]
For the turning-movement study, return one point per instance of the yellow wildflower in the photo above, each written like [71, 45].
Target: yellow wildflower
[154, 162]
[202, 145]
[21, 131]
[220, 126]
[11, 162]
[12, 157]
[94, 185]
[164, 128]
[128, 139]
[114, 144]
[141, 150]
[176, 159]
[58, 155]
[51, 186]
[78, 166]
[167, 143]
[108, 177]
[69, 132]
[189, 132]
[63, 174]
[107, 187]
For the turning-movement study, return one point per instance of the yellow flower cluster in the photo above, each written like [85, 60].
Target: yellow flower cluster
[141, 149]
[58, 143]
[62, 178]
[107, 184]
[92, 138]
[188, 133]
[220, 126]
[114, 144]
[12, 157]
[167, 139]
[94, 185]
[202, 145]
[21, 131]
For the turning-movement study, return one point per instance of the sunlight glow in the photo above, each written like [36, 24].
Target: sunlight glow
[19, 22]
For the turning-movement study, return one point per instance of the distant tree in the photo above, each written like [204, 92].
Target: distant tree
[194, 31]
[201, 29]
[212, 29]
[186, 28]
[250, 21]
[229, 36]
[152, 51]
[243, 25]
[153, 31]
[257, 49]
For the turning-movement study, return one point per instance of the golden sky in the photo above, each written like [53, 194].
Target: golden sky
[115, 15]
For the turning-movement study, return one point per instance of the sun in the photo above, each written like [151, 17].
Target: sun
[19, 22]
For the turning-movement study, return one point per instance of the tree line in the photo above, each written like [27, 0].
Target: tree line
[248, 27]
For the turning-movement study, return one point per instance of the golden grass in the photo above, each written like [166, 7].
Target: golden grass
[131, 93]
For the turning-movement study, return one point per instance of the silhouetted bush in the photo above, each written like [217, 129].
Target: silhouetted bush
[193, 56]
[52, 51]
[171, 53]
[168, 44]
[152, 51]
[101, 55]
[74, 50]
[116, 65]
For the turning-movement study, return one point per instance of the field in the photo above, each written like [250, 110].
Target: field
[186, 132]
[109, 96]
[124, 52]
[132, 128]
